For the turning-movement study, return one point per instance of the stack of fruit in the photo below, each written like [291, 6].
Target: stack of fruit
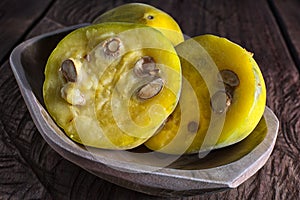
[130, 78]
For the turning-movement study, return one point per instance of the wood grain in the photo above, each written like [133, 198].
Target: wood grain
[29, 168]
[18, 178]
[16, 18]
[288, 16]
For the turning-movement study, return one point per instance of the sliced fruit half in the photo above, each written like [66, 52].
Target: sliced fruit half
[112, 85]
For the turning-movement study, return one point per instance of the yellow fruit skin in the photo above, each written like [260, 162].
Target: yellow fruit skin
[96, 122]
[244, 113]
[144, 14]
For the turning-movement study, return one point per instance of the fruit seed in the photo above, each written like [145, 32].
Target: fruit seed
[150, 89]
[68, 70]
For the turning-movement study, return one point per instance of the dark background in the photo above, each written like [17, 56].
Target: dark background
[30, 169]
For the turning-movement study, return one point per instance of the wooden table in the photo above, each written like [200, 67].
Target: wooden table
[30, 169]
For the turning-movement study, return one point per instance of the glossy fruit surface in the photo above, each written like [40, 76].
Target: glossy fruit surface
[223, 98]
[109, 87]
[144, 14]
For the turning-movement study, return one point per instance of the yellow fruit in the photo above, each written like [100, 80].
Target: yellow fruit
[144, 14]
[223, 98]
[109, 87]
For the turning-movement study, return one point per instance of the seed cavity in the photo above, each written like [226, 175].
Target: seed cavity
[112, 47]
[193, 127]
[68, 70]
[229, 77]
[72, 95]
[220, 101]
[145, 67]
[87, 57]
[150, 89]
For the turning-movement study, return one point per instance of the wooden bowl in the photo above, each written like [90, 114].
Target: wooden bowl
[140, 169]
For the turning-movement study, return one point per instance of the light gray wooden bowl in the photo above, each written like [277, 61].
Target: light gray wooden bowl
[140, 169]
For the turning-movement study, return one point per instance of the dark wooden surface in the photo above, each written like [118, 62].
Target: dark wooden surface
[30, 169]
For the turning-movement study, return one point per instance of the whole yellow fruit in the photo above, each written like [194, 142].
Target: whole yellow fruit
[144, 14]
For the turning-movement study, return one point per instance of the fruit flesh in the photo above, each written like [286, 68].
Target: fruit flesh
[104, 55]
[144, 14]
[246, 106]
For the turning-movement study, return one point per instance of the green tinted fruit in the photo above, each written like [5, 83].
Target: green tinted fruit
[107, 86]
